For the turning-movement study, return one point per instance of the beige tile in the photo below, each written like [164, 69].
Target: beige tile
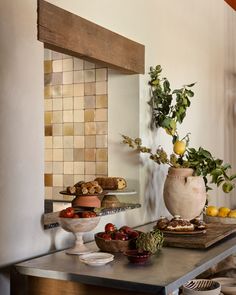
[68, 116]
[48, 104]
[78, 167]
[89, 88]
[57, 167]
[68, 90]
[68, 168]
[47, 118]
[57, 154]
[79, 177]
[101, 88]
[89, 177]
[89, 115]
[57, 66]
[57, 117]
[78, 155]
[47, 79]
[68, 77]
[67, 64]
[56, 55]
[48, 180]
[56, 192]
[101, 168]
[57, 104]
[101, 115]
[90, 155]
[56, 90]
[101, 128]
[89, 102]
[48, 167]
[64, 56]
[57, 180]
[88, 65]
[78, 116]
[68, 180]
[79, 89]
[78, 77]
[48, 130]
[101, 141]
[90, 141]
[101, 75]
[68, 142]
[78, 64]
[47, 54]
[89, 75]
[79, 142]
[90, 128]
[57, 130]
[68, 155]
[47, 66]
[57, 142]
[101, 155]
[48, 142]
[78, 102]
[48, 192]
[90, 168]
[68, 103]
[68, 129]
[56, 78]
[101, 101]
[47, 91]
[78, 128]
[48, 155]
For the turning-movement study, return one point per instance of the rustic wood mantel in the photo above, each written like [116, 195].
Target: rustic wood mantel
[71, 34]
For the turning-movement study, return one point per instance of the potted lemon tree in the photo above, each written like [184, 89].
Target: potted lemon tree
[191, 170]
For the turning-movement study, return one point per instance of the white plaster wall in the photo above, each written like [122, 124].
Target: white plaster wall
[185, 37]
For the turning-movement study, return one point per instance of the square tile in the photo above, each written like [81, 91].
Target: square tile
[78, 76]
[57, 155]
[79, 177]
[48, 192]
[68, 90]
[47, 66]
[101, 168]
[48, 142]
[89, 75]
[56, 192]
[48, 167]
[101, 128]
[90, 128]
[89, 177]
[101, 141]
[78, 102]
[68, 77]
[57, 180]
[48, 104]
[101, 101]
[47, 118]
[67, 103]
[56, 55]
[56, 90]
[68, 129]
[89, 115]
[57, 66]
[101, 115]
[68, 142]
[57, 129]
[78, 155]
[78, 116]
[90, 141]
[57, 167]
[78, 64]
[101, 88]
[64, 56]
[101, 155]
[47, 91]
[90, 155]
[89, 102]
[57, 117]
[88, 65]
[90, 168]
[90, 88]
[47, 79]
[68, 116]
[56, 78]
[68, 155]
[57, 104]
[68, 168]
[78, 128]
[47, 54]
[67, 64]
[48, 180]
[68, 180]
[79, 142]
[79, 89]
[78, 167]
[48, 130]
[48, 155]
[101, 75]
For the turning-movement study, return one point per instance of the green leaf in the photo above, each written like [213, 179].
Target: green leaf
[233, 176]
[190, 85]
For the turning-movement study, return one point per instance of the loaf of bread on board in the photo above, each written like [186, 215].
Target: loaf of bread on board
[111, 183]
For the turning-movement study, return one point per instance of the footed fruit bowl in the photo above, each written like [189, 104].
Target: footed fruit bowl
[78, 226]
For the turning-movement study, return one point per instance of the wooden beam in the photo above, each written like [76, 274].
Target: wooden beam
[65, 32]
[232, 3]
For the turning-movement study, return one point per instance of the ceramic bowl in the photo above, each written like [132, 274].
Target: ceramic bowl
[201, 287]
[228, 285]
[134, 256]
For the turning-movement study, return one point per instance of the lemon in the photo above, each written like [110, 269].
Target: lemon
[179, 147]
[223, 211]
[212, 211]
[232, 214]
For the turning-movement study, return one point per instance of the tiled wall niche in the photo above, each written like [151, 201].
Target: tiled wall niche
[76, 122]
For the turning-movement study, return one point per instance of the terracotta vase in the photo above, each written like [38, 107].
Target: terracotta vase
[184, 194]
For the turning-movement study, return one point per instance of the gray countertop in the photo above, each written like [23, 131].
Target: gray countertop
[166, 271]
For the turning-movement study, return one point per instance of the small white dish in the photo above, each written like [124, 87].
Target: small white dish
[228, 285]
[96, 259]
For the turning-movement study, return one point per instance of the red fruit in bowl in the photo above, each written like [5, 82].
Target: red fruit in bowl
[120, 236]
[126, 229]
[106, 236]
[133, 235]
[110, 227]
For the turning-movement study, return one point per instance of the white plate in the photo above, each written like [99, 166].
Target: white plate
[228, 285]
[96, 259]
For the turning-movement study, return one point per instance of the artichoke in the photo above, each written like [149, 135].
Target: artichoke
[150, 241]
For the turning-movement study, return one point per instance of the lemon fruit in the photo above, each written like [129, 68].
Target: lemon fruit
[179, 147]
[223, 212]
[212, 211]
[232, 214]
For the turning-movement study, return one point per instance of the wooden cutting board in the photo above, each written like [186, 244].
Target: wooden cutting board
[214, 233]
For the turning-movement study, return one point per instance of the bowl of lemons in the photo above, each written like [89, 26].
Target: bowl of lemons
[220, 215]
